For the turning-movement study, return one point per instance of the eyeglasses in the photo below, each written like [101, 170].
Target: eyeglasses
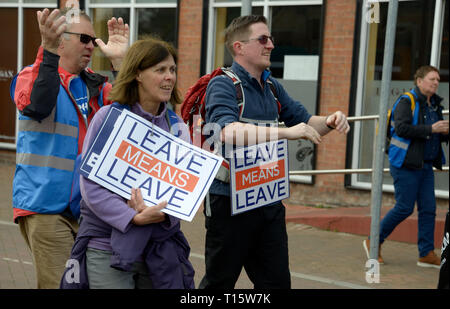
[262, 39]
[84, 38]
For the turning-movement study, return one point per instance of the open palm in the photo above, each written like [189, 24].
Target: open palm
[117, 46]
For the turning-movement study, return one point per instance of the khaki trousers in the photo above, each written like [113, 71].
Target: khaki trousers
[50, 239]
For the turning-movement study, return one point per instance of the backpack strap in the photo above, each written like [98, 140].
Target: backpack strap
[409, 94]
[239, 89]
[274, 93]
[412, 99]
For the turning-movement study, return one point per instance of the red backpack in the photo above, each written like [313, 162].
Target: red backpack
[193, 107]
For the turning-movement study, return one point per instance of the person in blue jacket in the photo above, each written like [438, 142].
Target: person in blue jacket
[57, 97]
[415, 147]
[255, 239]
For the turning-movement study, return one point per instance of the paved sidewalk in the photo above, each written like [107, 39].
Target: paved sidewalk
[319, 258]
[357, 220]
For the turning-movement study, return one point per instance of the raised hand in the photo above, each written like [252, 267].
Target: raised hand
[51, 28]
[117, 46]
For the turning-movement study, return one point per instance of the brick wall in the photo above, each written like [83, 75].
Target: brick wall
[189, 43]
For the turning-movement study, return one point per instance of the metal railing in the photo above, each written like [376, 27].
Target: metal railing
[356, 170]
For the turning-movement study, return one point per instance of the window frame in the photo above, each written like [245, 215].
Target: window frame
[267, 5]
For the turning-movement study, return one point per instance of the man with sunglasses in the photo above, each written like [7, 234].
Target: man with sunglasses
[57, 97]
[255, 239]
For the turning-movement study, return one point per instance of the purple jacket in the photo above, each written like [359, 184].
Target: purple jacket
[106, 225]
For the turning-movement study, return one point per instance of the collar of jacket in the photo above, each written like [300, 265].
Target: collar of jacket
[422, 98]
[238, 69]
[93, 80]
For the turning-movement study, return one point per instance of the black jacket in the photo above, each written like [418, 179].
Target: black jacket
[419, 133]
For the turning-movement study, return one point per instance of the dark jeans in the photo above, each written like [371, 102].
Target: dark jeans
[411, 186]
[255, 240]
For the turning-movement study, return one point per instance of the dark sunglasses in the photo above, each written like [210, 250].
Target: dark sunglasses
[84, 38]
[262, 39]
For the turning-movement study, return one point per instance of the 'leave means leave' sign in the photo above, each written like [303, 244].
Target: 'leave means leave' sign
[259, 175]
[129, 152]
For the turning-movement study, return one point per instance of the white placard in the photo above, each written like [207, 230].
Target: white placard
[259, 175]
[301, 67]
[129, 152]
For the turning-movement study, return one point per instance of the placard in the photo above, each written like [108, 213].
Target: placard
[298, 67]
[259, 175]
[130, 152]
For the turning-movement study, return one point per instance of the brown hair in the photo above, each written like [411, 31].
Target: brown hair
[141, 55]
[239, 29]
[423, 71]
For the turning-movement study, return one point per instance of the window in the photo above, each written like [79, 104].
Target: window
[99, 17]
[296, 27]
[145, 18]
[8, 68]
[159, 22]
[18, 19]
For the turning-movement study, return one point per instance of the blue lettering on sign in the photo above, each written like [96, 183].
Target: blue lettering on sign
[164, 150]
[262, 196]
[148, 138]
[179, 160]
[280, 149]
[158, 188]
[281, 188]
[249, 197]
[272, 194]
[248, 157]
[129, 137]
[127, 175]
[109, 174]
[174, 196]
[160, 192]
[193, 162]
[238, 206]
[148, 187]
[263, 153]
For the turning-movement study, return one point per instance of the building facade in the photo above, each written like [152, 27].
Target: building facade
[328, 55]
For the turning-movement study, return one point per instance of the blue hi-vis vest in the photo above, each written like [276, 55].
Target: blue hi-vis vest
[398, 146]
[45, 158]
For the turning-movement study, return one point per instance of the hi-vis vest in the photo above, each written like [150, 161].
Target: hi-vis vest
[398, 146]
[45, 158]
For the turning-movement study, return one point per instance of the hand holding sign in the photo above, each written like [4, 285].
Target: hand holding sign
[145, 215]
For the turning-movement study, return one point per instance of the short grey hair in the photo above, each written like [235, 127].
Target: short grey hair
[72, 12]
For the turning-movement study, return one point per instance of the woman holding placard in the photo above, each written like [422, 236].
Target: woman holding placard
[125, 244]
